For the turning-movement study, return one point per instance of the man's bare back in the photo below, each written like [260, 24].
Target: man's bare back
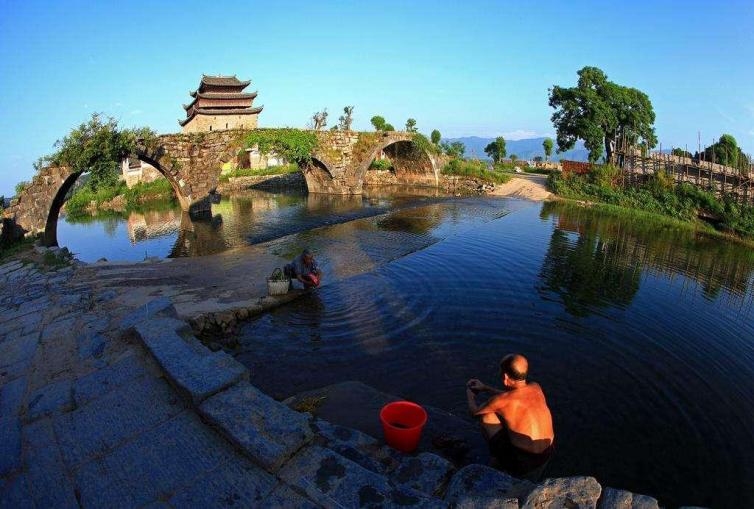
[523, 412]
[516, 420]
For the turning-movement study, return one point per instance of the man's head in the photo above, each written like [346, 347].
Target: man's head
[513, 369]
[307, 256]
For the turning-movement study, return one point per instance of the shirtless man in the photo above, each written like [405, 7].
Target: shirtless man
[515, 421]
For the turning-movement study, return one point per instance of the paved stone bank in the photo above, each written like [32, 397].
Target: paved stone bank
[106, 406]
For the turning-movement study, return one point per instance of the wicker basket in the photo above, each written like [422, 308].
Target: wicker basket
[277, 286]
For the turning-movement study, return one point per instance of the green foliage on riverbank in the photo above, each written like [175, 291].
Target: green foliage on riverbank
[259, 172]
[474, 168]
[81, 199]
[292, 144]
[381, 165]
[658, 195]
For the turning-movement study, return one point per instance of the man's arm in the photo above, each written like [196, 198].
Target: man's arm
[476, 385]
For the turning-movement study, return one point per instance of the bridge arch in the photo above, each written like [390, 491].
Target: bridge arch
[58, 197]
[411, 163]
[319, 177]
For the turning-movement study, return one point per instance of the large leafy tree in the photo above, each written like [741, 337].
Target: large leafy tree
[455, 149]
[411, 125]
[378, 122]
[436, 136]
[97, 146]
[496, 149]
[547, 146]
[600, 112]
[726, 151]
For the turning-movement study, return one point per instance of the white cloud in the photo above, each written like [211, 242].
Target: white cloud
[519, 134]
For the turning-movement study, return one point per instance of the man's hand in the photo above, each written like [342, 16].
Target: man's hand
[476, 386]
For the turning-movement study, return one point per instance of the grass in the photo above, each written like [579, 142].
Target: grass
[658, 195]
[259, 172]
[475, 169]
[81, 199]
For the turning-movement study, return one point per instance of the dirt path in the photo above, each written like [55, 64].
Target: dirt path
[531, 187]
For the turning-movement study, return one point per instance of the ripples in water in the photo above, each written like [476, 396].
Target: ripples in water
[641, 337]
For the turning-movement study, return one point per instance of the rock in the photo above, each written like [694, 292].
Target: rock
[479, 486]
[10, 445]
[334, 481]
[190, 367]
[267, 431]
[425, 472]
[572, 492]
[621, 499]
[40, 250]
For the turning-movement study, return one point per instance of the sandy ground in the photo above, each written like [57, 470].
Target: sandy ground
[531, 187]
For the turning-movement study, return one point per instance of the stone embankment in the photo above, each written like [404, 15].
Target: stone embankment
[289, 181]
[107, 405]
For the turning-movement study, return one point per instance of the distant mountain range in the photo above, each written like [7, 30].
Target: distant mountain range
[524, 149]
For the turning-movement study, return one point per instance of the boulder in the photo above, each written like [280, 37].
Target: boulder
[621, 499]
[572, 492]
[479, 486]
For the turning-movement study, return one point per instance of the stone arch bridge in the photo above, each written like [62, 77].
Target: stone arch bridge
[192, 164]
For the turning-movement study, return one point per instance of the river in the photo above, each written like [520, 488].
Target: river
[640, 334]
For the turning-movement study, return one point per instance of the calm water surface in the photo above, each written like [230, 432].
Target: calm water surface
[640, 335]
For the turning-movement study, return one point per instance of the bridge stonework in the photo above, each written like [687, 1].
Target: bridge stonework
[192, 164]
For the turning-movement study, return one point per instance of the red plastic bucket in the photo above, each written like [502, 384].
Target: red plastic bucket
[402, 422]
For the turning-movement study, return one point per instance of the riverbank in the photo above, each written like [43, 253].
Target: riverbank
[658, 195]
[100, 392]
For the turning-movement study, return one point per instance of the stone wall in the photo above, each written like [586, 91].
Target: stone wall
[213, 123]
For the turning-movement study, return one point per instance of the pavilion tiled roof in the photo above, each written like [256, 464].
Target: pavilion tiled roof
[220, 111]
[218, 95]
[223, 81]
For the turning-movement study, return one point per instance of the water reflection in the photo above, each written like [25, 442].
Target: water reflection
[594, 261]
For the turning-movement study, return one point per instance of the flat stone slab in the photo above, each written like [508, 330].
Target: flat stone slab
[334, 481]
[621, 499]
[154, 465]
[105, 422]
[354, 445]
[54, 397]
[573, 492]
[10, 445]
[266, 430]
[15, 493]
[18, 348]
[46, 473]
[161, 306]
[237, 483]
[108, 379]
[356, 405]
[477, 486]
[425, 472]
[11, 397]
[198, 372]
[283, 497]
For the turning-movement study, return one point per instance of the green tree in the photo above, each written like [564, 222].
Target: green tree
[496, 149]
[681, 153]
[378, 122]
[726, 151]
[455, 149]
[547, 145]
[436, 137]
[514, 158]
[389, 127]
[97, 146]
[600, 112]
[411, 125]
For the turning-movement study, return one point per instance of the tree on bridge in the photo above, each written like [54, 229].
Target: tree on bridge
[436, 137]
[346, 119]
[601, 112]
[726, 151]
[378, 122]
[319, 120]
[496, 149]
[97, 146]
[411, 125]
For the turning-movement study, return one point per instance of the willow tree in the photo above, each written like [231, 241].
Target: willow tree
[600, 113]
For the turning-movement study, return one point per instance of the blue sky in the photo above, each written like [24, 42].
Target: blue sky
[465, 68]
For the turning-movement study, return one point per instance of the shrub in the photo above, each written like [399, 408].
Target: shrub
[292, 144]
[381, 164]
[258, 172]
[475, 169]
[21, 187]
